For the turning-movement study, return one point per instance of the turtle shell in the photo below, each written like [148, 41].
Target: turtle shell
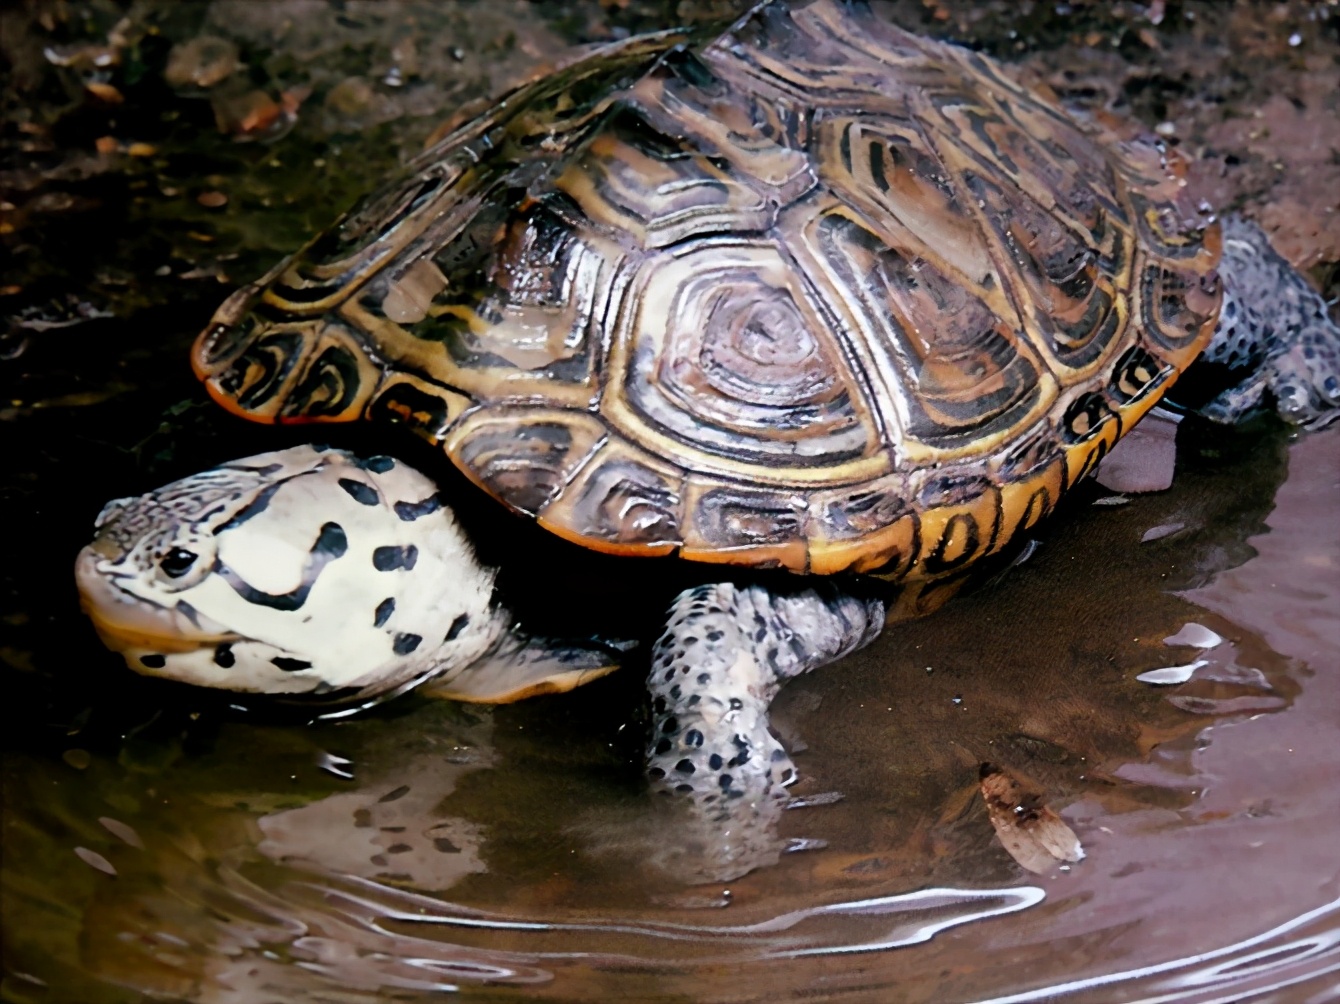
[816, 293]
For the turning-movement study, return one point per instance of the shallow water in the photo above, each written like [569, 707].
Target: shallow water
[160, 845]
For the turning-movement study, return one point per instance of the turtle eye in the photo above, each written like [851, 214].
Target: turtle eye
[177, 562]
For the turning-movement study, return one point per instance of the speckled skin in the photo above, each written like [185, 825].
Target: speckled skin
[1274, 330]
[725, 652]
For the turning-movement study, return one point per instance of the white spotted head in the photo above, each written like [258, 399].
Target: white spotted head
[307, 570]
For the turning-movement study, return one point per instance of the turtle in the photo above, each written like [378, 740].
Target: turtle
[809, 293]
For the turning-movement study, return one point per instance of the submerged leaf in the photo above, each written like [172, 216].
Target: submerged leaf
[1033, 834]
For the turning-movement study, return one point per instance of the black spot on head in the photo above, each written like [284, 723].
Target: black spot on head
[223, 656]
[662, 747]
[675, 692]
[658, 705]
[725, 780]
[377, 465]
[715, 761]
[778, 754]
[331, 542]
[391, 557]
[656, 773]
[410, 511]
[669, 674]
[685, 766]
[693, 737]
[404, 644]
[360, 492]
[714, 636]
[704, 678]
[290, 665]
[670, 726]
[683, 789]
[153, 661]
[457, 626]
[383, 612]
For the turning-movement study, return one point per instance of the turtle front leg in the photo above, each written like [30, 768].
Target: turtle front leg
[1274, 335]
[725, 652]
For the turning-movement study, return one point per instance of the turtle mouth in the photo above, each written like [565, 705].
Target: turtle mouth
[126, 622]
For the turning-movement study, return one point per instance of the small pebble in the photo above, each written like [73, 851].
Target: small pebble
[104, 92]
[78, 759]
[212, 200]
[201, 62]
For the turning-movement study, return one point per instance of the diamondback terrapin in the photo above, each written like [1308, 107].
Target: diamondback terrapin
[814, 294]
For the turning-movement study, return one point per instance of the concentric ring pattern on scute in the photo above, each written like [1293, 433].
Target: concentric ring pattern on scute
[817, 293]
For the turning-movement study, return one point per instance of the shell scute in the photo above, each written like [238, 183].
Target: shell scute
[623, 500]
[525, 456]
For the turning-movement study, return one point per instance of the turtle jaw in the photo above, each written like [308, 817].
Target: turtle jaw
[128, 624]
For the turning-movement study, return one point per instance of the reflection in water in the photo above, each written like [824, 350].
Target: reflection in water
[388, 829]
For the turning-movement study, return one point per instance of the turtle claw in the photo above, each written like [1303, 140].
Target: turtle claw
[1306, 379]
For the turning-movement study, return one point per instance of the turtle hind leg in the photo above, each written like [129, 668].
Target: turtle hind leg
[1274, 334]
[725, 652]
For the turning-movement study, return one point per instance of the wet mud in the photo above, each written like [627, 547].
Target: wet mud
[162, 845]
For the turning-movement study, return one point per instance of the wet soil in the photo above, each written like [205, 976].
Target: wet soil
[161, 845]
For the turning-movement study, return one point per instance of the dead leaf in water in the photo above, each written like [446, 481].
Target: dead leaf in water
[1034, 835]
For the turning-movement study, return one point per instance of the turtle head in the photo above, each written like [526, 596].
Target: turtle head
[301, 571]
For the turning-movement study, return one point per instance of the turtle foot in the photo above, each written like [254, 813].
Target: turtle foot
[1274, 326]
[725, 652]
